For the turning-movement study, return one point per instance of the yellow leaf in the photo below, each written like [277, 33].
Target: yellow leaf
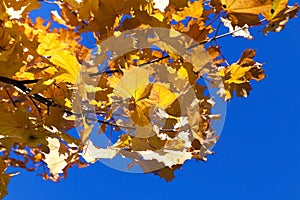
[73, 3]
[194, 10]
[140, 113]
[182, 73]
[13, 124]
[243, 12]
[237, 76]
[92, 153]
[55, 160]
[159, 16]
[49, 44]
[65, 60]
[106, 16]
[41, 85]
[254, 7]
[237, 73]
[165, 96]
[160, 96]
[277, 7]
[198, 57]
[123, 142]
[87, 8]
[133, 83]
[279, 15]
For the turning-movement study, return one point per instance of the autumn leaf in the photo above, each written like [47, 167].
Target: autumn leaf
[49, 44]
[42, 85]
[147, 88]
[240, 6]
[108, 13]
[92, 153]
[243, 12]
[161, 92]
[142, 18]
[132, 84]
[279, 15]
[17, 10]
[69, 63]
[87, 8]
[193, 10]
[4, 178]
[178, 3]
[15, 124]
[167, 173]
[237, 76]
[57, 158]
[236, 30]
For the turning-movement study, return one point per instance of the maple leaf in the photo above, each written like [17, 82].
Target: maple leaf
[92, 153]
[237, 31]
[160, 4]
[279, 15]
[167, 173]
[58, 158]
[87, 8]
[132, 84]
[237, 76]
[142, 18]
[65, 60]
[107, 13]
[243, 12]
[143, 95]
[193, 10]
[177, 4]
[12, 56]
[4, 178]
[15, 123]
[17, 10]
[153, 96]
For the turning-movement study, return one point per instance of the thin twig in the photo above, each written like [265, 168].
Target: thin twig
[11, 99]
[20, 85]
[167, 56]
[217, 44]
[37, 107]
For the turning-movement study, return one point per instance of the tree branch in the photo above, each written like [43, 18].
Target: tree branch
[25, 90]
[20, 84]
[167, 56]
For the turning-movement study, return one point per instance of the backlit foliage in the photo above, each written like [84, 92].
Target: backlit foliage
[42, 62]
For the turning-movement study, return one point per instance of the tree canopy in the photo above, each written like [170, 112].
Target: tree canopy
[137, 75]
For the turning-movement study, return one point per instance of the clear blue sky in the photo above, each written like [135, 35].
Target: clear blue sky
[257, 156]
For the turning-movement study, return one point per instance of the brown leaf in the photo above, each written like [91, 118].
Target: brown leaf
[279, 15]
[167, 173]
[243, 12]
[237, 77]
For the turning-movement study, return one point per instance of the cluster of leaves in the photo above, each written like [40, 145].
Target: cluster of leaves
[40, 65]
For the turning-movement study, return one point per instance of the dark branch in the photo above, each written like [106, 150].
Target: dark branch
[19, 85]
